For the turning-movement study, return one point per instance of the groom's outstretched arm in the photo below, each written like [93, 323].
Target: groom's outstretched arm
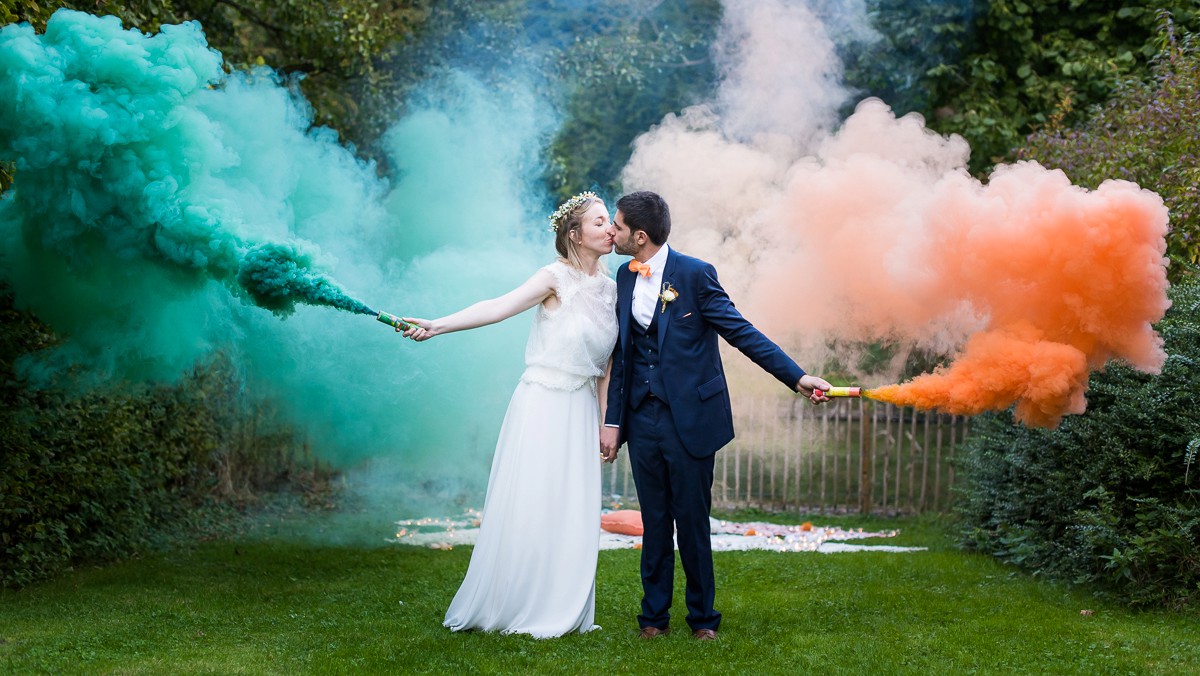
[718, 310]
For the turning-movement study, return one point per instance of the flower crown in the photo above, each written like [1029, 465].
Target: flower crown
[569, 206]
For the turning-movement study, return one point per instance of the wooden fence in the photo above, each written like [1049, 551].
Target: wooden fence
[851, 455]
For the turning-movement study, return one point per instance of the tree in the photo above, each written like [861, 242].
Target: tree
[995, 70]
[1163, 115]
[612, 71]
[335, 49]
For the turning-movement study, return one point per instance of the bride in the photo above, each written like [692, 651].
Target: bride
[533, 569]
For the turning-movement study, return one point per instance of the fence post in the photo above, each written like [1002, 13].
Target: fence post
[866, 443]
[887, 452]
[788, 446]
[737, 469]
[912, 462]
[849, 499]
[625, 476]
[808, 468]
[950, 461]
[937, 468]
[824, 450]
[899, 457]
[924, 463]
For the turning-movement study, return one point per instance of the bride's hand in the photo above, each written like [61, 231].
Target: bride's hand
[419, 329]
[609, 436]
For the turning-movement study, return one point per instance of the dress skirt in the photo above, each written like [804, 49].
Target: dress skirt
[533, 569]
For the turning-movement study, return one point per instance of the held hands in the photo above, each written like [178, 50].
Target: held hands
[813, 388]
[608, 443]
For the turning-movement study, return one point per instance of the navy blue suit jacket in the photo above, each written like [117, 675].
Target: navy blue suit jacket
[691, 373]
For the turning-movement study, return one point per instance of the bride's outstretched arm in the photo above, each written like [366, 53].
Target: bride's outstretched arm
[536, 289]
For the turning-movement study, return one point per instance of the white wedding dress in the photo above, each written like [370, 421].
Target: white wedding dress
[533, 570]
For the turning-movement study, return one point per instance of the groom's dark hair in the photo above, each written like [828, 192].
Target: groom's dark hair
[648, 212]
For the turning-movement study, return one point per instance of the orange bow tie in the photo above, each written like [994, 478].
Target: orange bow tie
[640, 268]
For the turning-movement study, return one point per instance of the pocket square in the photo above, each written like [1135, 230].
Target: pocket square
[687, 315]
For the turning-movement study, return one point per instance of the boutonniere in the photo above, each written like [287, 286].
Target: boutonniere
[667, 295]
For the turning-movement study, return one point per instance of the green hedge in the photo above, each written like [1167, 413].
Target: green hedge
[96, 478]
[114, 472]
[1111, 497]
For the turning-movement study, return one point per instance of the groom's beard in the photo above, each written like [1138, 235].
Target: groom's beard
[626, 249]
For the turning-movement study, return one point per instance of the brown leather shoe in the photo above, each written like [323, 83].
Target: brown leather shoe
[705, 634]
[653, 632]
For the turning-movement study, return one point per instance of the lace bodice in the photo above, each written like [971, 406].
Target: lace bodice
[570, 345]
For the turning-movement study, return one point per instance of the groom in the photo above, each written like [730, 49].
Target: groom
[667, 398]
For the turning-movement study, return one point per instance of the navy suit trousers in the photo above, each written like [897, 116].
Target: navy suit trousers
[675, 493]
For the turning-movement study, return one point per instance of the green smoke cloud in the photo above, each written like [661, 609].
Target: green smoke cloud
[115, 150]
[276, 275]
[163, 210]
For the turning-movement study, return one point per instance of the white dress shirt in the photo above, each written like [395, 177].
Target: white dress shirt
[647, 289]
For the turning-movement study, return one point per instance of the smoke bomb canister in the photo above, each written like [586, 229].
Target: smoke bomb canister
[393, 320]
[844, 392]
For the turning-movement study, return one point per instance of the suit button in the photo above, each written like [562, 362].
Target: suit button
[652, 366]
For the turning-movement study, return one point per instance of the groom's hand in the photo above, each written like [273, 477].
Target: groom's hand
[814, 388]
[609, 436]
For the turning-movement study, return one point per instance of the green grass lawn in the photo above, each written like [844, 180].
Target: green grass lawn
[275, 604]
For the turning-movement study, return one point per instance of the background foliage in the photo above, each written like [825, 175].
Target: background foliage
[1111, 497]
[1148, 133]
[991, 70]
[1020, 58]
[623, 80]
[610, 70]
[336, 50]
[121, 470]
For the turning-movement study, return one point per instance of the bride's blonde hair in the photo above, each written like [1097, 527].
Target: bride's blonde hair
[567, 219]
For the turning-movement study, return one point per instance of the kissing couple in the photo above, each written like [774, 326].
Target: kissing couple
[632, 361]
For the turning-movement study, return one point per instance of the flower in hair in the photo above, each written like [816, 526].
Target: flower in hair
[567, 207]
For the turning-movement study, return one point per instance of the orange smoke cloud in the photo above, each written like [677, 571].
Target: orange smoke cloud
[1046, 379]
[1046, 281]
[1030, 281]
[879, 233]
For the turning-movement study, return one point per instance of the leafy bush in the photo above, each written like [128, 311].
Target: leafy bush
[1162, 115]
[115, 472]
[1111, 497]
[1019, 58]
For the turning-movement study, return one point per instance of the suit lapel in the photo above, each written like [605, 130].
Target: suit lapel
[625, 280]
[664, 318]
